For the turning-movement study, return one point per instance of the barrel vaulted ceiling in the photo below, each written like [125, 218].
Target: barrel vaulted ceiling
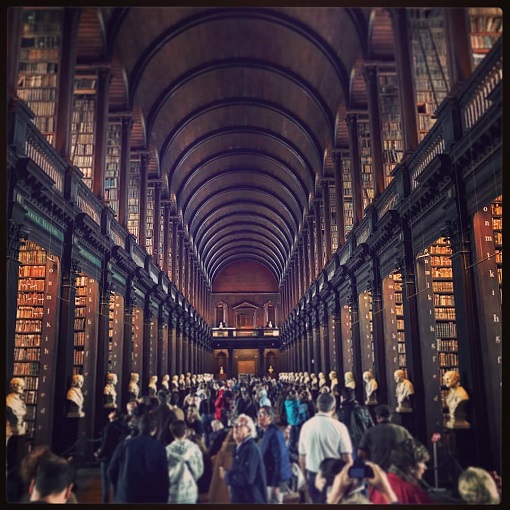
[240, 108]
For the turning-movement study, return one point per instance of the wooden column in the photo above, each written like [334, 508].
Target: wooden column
[306, 261]
[458, 45]
[357, 200]
[311, 244]
[157, 223]
[374, 115]
[125, 149]
[13, 34]
[318, 237]
[405, 78]
[144, 178]
[166, 243]
[103, 89]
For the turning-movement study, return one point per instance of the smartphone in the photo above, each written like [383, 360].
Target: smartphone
[360, 470]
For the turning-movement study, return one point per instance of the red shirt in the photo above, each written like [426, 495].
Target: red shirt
[406, 492]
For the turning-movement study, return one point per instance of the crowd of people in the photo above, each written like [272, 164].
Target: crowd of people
[293, 437]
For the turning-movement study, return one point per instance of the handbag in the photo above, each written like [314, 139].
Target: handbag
[299, 480]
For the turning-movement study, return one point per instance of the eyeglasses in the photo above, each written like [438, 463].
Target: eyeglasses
[239, 425]
[261, 414]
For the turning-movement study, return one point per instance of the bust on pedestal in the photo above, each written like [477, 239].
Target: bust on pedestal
[17, 407]
[109, 392]
[403, 391]
[370, 388]
[75, 398]
[133, 388]
[349, 381]
[456, 401]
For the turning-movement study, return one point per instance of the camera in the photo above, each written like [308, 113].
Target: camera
[360, 470]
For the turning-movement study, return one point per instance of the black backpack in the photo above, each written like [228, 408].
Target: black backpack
[361, 421]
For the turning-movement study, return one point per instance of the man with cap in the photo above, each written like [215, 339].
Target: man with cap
[378, 441]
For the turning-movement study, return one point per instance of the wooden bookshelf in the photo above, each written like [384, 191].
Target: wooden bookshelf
[485, 28]
[86, 310]
[34, 349]
[347, 345]
[134, 195]
[116, 332]
[393, 323]
[112, 164]
[429, 64]
[137, 347]
[366, 330]
[497, 229]
[162, 227]
[365, 151]
[347, 198]
[39, 60]
[333, 216]
[391, 127]
[149, 229]
[83, 125]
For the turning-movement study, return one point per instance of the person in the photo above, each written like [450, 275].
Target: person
[263, 399]
[349, 380]
[138, 469]
[218, 435]
[109, 392]
[292, 416]
[112, 434]
[403, 391]
[357, 418]
[16, 406]
[206, 411]
[377, 442]
[247, 477]
[193, 420]
[322, 436]
[370, 388]
[476, 486]
[346, 490]
[245, 404]
[133, 388]
[53, 481]
[185, 466]
[328, 469]
[456, 400]
[165, 416]
[13, 481]
[408, 464]
[75, 398]
[174, 405]
[275, 455]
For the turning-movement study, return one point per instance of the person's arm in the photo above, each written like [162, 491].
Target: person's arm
[362, 454]
[346, 457]
[381, 483]
[340, 485]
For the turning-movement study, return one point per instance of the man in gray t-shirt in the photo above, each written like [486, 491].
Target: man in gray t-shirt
[378, 441]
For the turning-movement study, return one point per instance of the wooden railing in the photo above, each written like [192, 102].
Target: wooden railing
[88, 202]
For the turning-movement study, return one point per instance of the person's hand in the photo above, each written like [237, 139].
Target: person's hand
[381, 483]
[222, 472]
[340, 485]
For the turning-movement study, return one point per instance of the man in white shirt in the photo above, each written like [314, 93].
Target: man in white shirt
[321, 437]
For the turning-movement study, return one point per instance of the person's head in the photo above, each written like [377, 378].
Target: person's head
[163, 396]
[115, 414]
[265, 416]
[192, 413]
[398, 375]
[285, 428]
[174, 398]
[326, 403]
[451, 378]
[305, 396]
[31, 461]
[216, 425]
[328, 469]
[410, 456]
[383, 413]
[147, 423]
[244, 427]
[477, 487]
[178, 429]
[134, 377]
[292, 395]
[17, 385]
[130, 407]
[53, 480]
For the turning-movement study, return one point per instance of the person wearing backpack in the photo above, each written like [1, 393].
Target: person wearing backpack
[292, 413]
[356, 417]
[185, 466]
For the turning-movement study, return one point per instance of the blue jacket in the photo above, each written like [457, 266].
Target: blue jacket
[275, 456]
[292, 411]
[247, 476]
[138, 471]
